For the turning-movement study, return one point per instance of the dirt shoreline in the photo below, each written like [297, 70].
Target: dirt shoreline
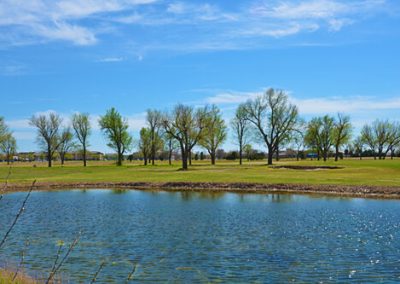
[363, 191]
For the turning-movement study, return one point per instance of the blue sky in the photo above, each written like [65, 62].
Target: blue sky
[87, 56]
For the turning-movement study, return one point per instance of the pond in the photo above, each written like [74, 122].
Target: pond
[205, 237]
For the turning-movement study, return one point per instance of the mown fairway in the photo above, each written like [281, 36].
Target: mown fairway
[354, 172]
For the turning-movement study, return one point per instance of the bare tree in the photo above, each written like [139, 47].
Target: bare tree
[115, 129]
[171, 144]
[66, 143]
[341, 133]
[154, 121]
[358, 145]
[240, 126]
[186, 125]
[319, 134]
[394, 139]
[214, 132]
[368, 138]
[48, 133]
[273, 116]
[381, 137]
[297, 140]
[82, 128]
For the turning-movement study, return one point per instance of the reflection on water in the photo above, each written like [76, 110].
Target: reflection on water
[207, 236]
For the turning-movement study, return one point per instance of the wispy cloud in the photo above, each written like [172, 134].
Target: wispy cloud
[12, 70]
[45, 20]
[171, 24]
[315, 105]
[110, 59]
[350, 104]
[336, 14]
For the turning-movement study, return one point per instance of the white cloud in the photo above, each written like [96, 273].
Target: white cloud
[275, 31]
[18, 123]
[44, 20]
[111, 59]
[63, 31]
[337, 24]
[79, 9]
[345, 104]
[315, 9]
[176, 8]
[137, 121]
[231, 97]
[24, 135]
[169, 25]
[316, 105]
[13, 70]
[336, 14]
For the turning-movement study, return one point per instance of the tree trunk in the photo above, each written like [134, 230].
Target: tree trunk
[170, 157]
[84, 156]
[184, 161]
[119, 159]
[336, 153]
[145, 160]
[49, 157]
[62, 157]
[190, 158]
[212, 154]
[277, 153]
[270, 155]
[240, 155]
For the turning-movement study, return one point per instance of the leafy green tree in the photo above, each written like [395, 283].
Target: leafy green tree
[341, 133]
[82, 128]
[273, 116]
[214, 132]
[115, 128]
[248, 149]
[48, 133]
[8, 146]
[3, 128]
[320, 134]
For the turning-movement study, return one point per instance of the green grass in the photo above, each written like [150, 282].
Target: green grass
[354, 172]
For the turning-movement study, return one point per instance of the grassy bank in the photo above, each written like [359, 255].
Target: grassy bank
[7, 276]
[352, 172]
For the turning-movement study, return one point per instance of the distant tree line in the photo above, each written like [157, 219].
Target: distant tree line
[269, 119]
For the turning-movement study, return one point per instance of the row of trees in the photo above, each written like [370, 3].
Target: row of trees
[53, 138]
[269, 119]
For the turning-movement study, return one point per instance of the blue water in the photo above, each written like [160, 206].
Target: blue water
[203, 237]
